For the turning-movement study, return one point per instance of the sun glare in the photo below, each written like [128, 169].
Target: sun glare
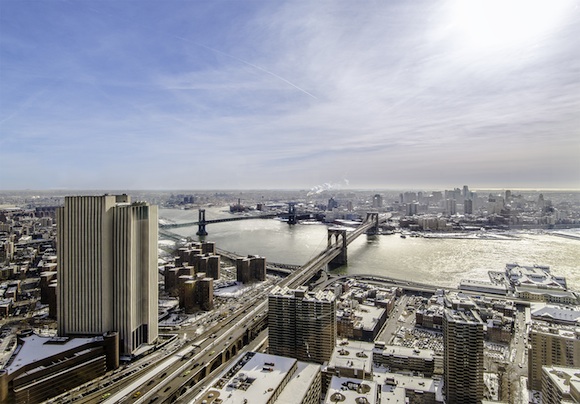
[501, 24]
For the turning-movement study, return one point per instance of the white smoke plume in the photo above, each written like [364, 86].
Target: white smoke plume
[317, 189]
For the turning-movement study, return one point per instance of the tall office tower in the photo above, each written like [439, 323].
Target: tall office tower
[302, 325]
[551, 345]
[412, 208]
[332, 204]
[436, 196]
[377, 201]
[541, 201]
[465, 192]
[107, 269]
[468, 207]
[463, 356]
[409, 197]
[450, 207]
[349, 206]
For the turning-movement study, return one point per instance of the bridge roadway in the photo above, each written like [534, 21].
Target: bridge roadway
[229, 219]
[176, 373]
[275, 267]
[320, 261]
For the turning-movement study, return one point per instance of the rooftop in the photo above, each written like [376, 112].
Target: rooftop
[401, 351]
[354, 355]
[348, 390]
[299, 384]
[253, 378]
[562, 377]
[302, 292]
[36, 348]
[463, 316]
[555, 313]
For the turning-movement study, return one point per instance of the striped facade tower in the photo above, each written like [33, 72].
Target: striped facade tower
[302, 324]
[107, 269]
[463, 356]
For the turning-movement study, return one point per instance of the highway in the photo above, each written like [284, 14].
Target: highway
[176, 370]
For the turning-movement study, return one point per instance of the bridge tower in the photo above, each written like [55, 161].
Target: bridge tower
[291, 213]
[373, 216]
[337, 237]
[201, 231]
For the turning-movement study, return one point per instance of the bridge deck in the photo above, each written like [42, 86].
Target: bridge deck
[228, 219]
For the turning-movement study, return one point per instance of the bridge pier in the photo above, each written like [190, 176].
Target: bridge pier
[291, 213]
[373, 216]
[201, 231]
[333, 239]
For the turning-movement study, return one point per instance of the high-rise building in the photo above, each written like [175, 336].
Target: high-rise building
[377, 201]
[251, 269]
[551, 345]
[107, 269]
[450, 207]
[436, 196]
[463, 356]
[302, 325]
[332, 204]
[468, 207]
[412, 208]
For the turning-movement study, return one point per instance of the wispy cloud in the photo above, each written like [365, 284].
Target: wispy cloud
[260, 91]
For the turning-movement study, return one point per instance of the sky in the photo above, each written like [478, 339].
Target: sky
[251, 94]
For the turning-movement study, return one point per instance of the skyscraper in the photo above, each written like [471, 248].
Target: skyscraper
[450, 207]
[302, 325]
[468, 207]
[463, 356]
[107, 269]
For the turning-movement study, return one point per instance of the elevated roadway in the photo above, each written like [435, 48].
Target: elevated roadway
[177, 374]
[229, 219]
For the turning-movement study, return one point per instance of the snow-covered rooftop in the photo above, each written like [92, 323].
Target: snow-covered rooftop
[36, 348]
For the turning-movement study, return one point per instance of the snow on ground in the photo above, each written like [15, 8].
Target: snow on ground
[236, 290]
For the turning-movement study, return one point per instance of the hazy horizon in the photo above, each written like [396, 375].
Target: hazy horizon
[290, 94]
[379, 189]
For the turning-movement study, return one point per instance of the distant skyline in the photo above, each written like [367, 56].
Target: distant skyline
[289, 94]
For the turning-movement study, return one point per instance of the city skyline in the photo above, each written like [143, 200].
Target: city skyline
[252, 95]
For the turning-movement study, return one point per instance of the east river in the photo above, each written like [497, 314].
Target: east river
[441, 261]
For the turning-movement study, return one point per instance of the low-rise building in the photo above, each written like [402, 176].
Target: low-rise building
[344, 389]
[43, 367]
[560, 385]
[555, 314]
[399, 358]
[353, 359]
[401, 388]
[549, 295]
[261, 378]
